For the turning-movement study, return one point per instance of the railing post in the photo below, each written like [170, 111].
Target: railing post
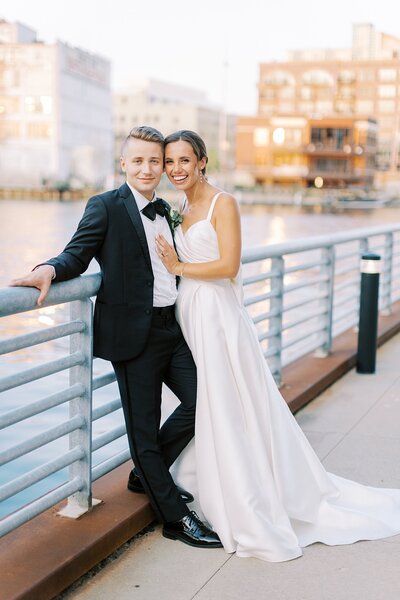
[276, 305]
[81, 501]
[387, 274]
[328, 269]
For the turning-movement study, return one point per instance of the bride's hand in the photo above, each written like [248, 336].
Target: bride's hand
[167, 254]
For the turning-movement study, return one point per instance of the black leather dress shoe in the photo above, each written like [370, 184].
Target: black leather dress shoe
[135, 485]
[192, 531]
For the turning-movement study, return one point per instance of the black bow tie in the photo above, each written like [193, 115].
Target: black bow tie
[156, 207]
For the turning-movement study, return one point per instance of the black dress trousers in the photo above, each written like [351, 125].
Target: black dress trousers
[165, 358]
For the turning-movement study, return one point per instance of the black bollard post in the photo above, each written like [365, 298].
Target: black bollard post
[368, 323]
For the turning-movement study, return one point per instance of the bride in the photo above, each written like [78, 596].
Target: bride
[257, 480]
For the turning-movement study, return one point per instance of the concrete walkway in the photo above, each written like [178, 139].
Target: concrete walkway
[354, 427]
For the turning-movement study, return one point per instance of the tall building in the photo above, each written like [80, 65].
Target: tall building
[55, 112]
[361, 83]
[170, 107]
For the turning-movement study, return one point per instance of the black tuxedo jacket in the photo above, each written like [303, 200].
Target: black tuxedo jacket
[111, 230]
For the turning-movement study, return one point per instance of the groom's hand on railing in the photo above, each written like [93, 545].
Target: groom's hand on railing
[40, 278]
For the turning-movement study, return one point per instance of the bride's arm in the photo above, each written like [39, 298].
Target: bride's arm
[227, 225]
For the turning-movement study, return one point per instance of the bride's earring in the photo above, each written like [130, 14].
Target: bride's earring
[201, 177]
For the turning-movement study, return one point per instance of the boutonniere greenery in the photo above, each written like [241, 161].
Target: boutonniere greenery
[175, 218]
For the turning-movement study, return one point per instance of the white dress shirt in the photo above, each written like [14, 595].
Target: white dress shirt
[164, 290]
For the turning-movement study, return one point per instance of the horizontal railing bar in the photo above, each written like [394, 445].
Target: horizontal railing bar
[306, 283]
[111, 463]
[24, 412]
[39, 337]
[49, 368]
[43, 438]
[345, 299]
[260, 298]
[27, 479]
[356, 254]
[376, 247]
[40, 505]
[261, 277]
[106, 409]
[103, 380]
[312, 243]
[15, 300]
[316, 313]
[346, 284]
[309, 347]
[342, 315]
[292, 305]
[292, 341]
[270, 352]
[266, 316]
[346, 269]
[304, 266]
[273, 332]
[107, 437]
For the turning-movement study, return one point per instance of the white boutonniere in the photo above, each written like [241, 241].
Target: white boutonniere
[175, 218]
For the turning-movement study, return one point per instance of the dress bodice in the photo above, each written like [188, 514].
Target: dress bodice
[199, 243]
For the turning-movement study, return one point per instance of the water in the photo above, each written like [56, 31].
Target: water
[32, 231]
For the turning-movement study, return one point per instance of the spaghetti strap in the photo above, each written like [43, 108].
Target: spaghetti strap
[210, 211]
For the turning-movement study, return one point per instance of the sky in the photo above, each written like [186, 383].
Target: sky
[212, 45]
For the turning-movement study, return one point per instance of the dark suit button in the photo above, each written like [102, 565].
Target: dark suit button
[148, 311]
[149, 283]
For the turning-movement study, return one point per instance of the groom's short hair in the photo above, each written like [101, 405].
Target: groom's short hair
[145, 133]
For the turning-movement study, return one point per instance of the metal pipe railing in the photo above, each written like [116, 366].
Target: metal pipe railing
[295, 292]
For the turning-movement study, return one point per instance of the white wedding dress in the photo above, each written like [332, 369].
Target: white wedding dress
[255, 477]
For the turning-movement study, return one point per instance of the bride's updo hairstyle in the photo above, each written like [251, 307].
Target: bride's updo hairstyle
[193, 138]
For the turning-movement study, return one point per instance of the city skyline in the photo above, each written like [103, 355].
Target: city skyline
[224, 46]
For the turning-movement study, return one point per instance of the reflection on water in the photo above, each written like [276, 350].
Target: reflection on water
[31, 232]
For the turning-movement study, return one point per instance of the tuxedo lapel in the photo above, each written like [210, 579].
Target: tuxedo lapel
[133, 212]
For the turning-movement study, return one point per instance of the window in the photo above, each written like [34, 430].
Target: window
[318, 77]
[365, 107]
[279, 78]
[285, 107]
[387, 91]
[286, 92]
[39, 104]
[260, 136]
[347, 76]
[9, 104]
[39, 130]
[387, 74]
[9, 129]
[324, 106]
[365, 91]
[386, 106]
[366, 75]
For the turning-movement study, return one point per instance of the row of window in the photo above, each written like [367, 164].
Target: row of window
[29, 104]
[323, 77]
[307, 93]
[32, 130]
[364, 107]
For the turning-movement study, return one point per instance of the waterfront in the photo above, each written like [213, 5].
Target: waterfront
[33, 231]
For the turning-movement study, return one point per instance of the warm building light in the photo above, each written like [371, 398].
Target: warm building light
[278, 135]
[260, 136]
[318, 182]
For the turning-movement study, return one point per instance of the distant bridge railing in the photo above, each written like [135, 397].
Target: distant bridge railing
[300, 295]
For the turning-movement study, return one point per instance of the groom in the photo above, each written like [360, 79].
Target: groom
[135, 326]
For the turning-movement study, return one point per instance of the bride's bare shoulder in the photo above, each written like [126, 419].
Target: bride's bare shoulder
[226, 201]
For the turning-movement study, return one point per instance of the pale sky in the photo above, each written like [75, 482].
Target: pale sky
[210, 45]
